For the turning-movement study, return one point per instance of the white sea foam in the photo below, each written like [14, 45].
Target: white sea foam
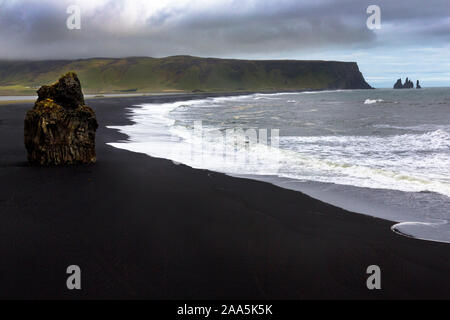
[370, 101]
[421, 127]
[438, 231]
[391, 162]
[155, 133]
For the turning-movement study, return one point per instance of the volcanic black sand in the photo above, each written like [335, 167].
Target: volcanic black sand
[141, 227]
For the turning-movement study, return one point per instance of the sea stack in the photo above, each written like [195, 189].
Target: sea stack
[398, 84]
[407, 85]
[60, 128]
[418, 85]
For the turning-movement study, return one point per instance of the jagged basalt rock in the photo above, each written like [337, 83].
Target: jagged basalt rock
[407, 85]
[418, 86]
[60, 129]
[398, 84]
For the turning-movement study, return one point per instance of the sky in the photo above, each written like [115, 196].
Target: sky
[413, 38]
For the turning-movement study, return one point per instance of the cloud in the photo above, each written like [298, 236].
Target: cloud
[159, 28]
[260, 29]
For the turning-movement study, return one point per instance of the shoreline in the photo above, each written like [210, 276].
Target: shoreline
[170, 95]
[341, 195]
[348, 197]
[142, 227]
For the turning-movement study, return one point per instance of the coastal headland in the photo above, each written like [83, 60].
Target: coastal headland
[182, 74]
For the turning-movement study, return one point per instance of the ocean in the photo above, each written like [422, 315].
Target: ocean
[382, 152]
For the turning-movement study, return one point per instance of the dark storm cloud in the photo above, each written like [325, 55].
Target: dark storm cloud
[37, 29]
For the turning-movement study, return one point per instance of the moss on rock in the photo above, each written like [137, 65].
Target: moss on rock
[60, 128]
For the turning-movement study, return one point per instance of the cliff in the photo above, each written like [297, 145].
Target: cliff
[184, 73]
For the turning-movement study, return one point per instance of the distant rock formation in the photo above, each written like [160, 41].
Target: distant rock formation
[407, 85]
[60, 128]
[398, 84]
[418, 85]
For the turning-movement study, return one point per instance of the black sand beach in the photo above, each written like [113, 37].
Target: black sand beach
[141, 227]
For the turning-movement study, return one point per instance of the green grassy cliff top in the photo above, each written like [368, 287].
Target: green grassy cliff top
[181, 73]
